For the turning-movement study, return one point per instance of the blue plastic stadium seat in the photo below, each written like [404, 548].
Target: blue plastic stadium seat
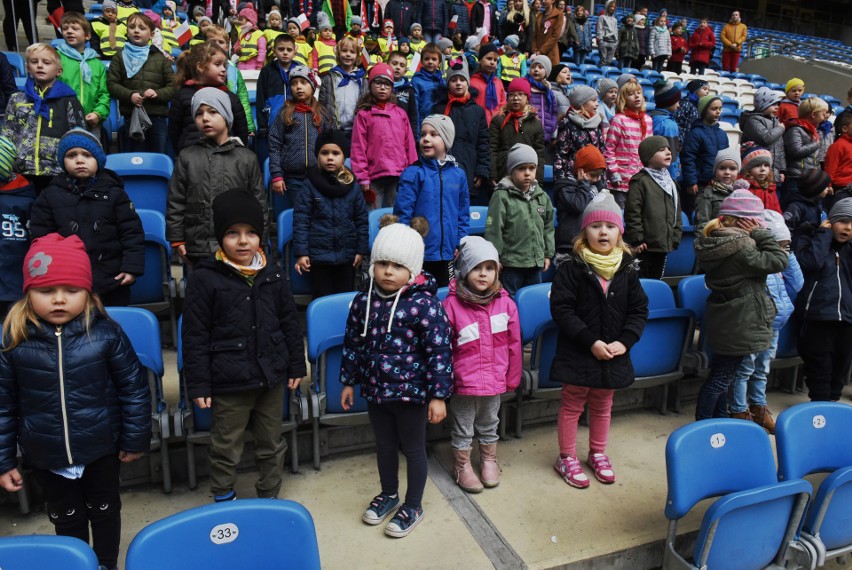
[374, 217]
[478, 217]
[299, 284]
[681, 261]
[146, 177]
[17, 61]
[46, 551]
[538, 328]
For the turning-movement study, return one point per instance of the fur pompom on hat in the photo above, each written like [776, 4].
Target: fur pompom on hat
[603, 208]
[55, 260]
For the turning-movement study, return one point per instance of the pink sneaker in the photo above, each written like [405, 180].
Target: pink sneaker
[600, 464]
[571, 471]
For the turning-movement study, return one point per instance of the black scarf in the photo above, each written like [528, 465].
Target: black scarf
[327, 183]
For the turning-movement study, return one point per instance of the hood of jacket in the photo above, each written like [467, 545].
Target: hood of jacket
[722, 243]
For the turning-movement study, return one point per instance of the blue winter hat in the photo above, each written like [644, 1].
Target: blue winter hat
[81, 138]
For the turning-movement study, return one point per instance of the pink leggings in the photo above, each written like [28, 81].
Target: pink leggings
[600, 411]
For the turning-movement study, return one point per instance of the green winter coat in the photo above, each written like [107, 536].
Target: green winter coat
[739, 310]
[94, 96]
[156, 74]
[651, 216]
[521, 229]
[708, 203]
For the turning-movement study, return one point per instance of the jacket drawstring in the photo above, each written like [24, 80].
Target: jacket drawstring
[393, 307]
[367, 314]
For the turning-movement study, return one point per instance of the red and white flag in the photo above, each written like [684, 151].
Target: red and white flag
[183, 33]
[454, 22]
[304, 24]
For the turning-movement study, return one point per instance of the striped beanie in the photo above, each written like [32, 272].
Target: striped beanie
[8, 153]
[742, 204]
[603, 208]
[754, 155]
[666, 94]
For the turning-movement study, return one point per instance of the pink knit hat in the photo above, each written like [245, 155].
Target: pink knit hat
[381, 70]
[519, 84]
[742, 204]
[249, 14]
[55, 260]
[603, 208]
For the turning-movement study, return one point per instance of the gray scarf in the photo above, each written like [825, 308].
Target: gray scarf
[664, 179]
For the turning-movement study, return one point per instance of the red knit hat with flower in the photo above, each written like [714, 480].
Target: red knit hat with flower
[55, 260]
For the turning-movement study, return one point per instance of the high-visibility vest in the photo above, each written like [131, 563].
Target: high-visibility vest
[270, 36]
[169, 40]
[386, 47]
[124, 12]
[101, 29]
[511, 66]
[197, 36]
[248, 46]
[417, 46]
[304, 51]
[326, 58]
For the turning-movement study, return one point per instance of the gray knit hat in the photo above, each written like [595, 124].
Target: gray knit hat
[512, 40]
[445, 127]
[776, 225]
[842, 210]
[604, 85]
[355, 21]
[729, 153]
[651, 146]
[457, 66]
[444, 43]
[544, 61]
[474, 250]
[215, 98]
[323, 22]
[581, 95]
[765, 97]
[111, 5]
[624, 78]
[520, 154]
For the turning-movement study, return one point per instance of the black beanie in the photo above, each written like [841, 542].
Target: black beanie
[331, 136]
[236, 207]
[557, 69]
[812, 182]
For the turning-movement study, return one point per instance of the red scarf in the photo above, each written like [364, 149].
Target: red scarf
[812, 130]
[640, 116]
[305, 108]
[515, 117]
[307, 7]
[380, 106]
[452, 100]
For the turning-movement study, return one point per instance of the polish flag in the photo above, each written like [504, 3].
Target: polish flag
[304, 24]
[183, 33]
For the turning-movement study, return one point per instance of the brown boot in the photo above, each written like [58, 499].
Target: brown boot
[489, 470]
[746, 415]
[463, 472]
[763, 417]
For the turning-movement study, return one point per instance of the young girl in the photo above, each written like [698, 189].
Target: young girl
[491, 94]
[205, 65]
[802, 141]
[561, 81]
[725, 170]
[601, 310]
[628, 128]
[330, 226]
[251, 44]
[581, 126]
[141, 76]
[701, 145]
[343, 86]
[607, 91]
[788, 109]
[399, 314]
[687, 114]
[324, 45]
[382, 140]
[516, 123]
[542, 98]
[486, 363]
[757, 170]
[293, 134]
[436, 189]
[241, 345]
[58, 341]
[660, 43]
[763, 128]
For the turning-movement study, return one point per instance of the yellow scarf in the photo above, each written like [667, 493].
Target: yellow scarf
[604, 265]
[258, 263]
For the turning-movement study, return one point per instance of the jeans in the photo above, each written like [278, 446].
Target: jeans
[513, 278]
[712, 398]
[400, 425]
[659, 61]
[749, 387]
[580, 56]
[293, 187]
[385, 188]
[155, 139]
[432, 36]
[697, 68]
[330, 279]
[574, 398]
[474, 415]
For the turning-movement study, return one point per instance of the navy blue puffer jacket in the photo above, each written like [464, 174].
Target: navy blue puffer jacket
[70, 396]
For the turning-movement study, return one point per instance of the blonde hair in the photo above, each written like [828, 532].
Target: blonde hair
[35, 49]
[626, 90]
[346, 41]
[716, 223]
[22, 314]
[810, 105]
[215, 30]
[581, 244]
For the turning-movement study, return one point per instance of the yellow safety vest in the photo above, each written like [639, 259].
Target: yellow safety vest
[169, 40]
[303, 52]
[248, 46]
[387, 47]
[102, 31]
[417, 46]
[326, 58]
[511, 66]
[270, 36]
[124, 12]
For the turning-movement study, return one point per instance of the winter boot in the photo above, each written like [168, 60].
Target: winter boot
[746, 415]
[763, 417]
[489, 469]
[463, 472]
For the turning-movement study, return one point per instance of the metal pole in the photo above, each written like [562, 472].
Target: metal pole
[31, 5]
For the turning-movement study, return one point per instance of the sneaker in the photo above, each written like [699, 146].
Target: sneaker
[404, 521]
[600, 464]
[571, 470]
[380, 507]
[225, 497]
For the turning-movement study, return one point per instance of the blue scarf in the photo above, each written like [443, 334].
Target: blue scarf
[491, 101]
[434, 76]
[357, 75]
[285, 76]
[134, 58]
[397, 85]
[40, 102]
[84, 58]
[541, 87]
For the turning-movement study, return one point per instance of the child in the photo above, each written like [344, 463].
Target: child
[406, 99]
[679, 49]
[763, 128]
[211, 166]
[826, 334]
[702, 44]
[660, 43]
[520, 221]
[667, 101]
[643, 34]
[273, 83]
[486, 363]
[652, 213]
[542, 98]
[630, 126]
[491, 94]
[572, 194]
[109, 33]
[434, 15]
[324, 47]
[802, 141]
[82, 70]
[801, 204]
[748, 391]
[788, 109]
[387, 41]
[512, 64]
[399, 313]
[581, 126]
[687, 113]
[343, 86]
[561, 82]
[274, 28]
[16, 200]
[700, 146]
[293, 134]
[356, 32]
[607, 91]
[330, 226]
[251, 44]
[427, 80]
[304, 50]
[737, 254]
[415, 38]
[231, 296]
[435, 188]
[234, 81]
[205, 65]
[517, 123]
[58, 341]
[405, 49]
[757, 170]
[726, 167]
[601, 310]
[380, 123]
[141, 76]
[89, 201]
[838, 158]
[627, 50]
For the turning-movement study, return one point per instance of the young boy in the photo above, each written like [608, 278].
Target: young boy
[415, 38]
[667, 100]
[826, 303]
[802, 141]
[490, 92]
[687, 114]
[324, 48]
[801, 205]
[387, 41]
[512, 63]
[573, 193]
[304, 52]
[652, 213]
[762, 127]
[838, 158]
[16, 201]
[82, 70]
[204, 170]
[109, 33]
[427, 80]
[230, 296]
[273, 83]
[356, 32]
[726, 168]
[36, 134]
[406, 98]
[788, 109]
[516, 123]
[89, 201]
[701, 145]
[343, 86]
[520, 222]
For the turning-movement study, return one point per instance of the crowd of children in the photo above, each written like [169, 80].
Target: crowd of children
[430, 125]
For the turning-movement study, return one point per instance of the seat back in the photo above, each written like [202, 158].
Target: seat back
[299, 284]
[478, 217]
[152, 285]
[663, 343]
[374, 218]
[17, 61]
[659, 294]
[813, 437]
[681, 261]
[533, 309]
[249, 533]
[788, 338]
[692, 294]
[46, 551]
[146, 177]
[143, 330]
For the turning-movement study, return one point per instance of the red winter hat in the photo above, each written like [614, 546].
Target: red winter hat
[589, 158]
[55, 260]
[381, 70]
[519, 84]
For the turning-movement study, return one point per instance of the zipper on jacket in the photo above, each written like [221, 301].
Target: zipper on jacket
[811, 294]
[37, 145]
[441, 201]
[839, 287]
[305, 122]
[65, 430]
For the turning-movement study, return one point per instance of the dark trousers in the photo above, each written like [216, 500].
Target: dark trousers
[826, 348]
[675, 66]
[400, 425]
[514, 278]
[74, 504]
[659, 61]
[652, 264]
[697, 68]
[580, 56]
[155, 139]
[40, 182]
[713, 395]
[626, 62]
[440, 270]
[331, 279]
[10, 25]
[118, 297]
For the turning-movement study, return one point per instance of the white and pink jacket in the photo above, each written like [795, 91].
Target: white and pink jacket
[487, 349]
[621, 150]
